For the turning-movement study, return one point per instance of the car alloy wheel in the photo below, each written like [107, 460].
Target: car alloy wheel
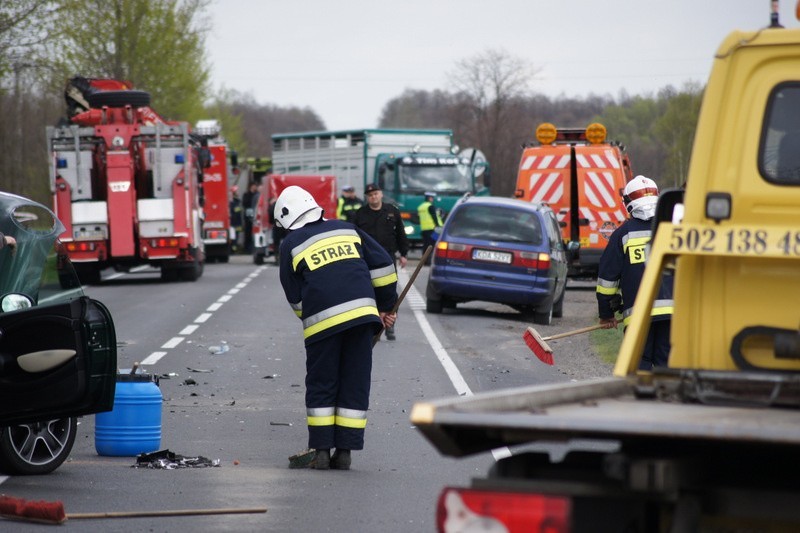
[38, 447]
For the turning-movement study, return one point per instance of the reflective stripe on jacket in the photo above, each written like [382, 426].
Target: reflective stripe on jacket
[347, 207]
[335, 277]
[621, 269]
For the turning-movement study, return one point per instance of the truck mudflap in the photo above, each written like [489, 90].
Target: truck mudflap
[673, 407]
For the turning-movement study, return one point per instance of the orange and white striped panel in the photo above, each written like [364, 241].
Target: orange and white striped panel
[546, 182]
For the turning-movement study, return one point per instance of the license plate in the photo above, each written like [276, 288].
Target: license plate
[491, 255]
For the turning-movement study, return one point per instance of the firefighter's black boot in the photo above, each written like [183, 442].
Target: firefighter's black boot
[340, 459]
[321, 460]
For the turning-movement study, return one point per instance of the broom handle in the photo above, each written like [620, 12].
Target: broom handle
[410, 283]
[178, 512]
[574, 332]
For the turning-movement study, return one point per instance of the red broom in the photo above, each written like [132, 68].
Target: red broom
[539, 346]
[53, 512]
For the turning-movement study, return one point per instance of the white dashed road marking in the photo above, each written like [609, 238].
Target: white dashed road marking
[154, 357]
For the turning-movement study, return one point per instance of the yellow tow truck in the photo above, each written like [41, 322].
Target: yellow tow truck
[711, 442]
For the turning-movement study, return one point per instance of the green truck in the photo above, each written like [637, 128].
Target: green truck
[405, 163]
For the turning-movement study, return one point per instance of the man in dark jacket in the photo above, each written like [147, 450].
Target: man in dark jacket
[383, 222]
[342, 285]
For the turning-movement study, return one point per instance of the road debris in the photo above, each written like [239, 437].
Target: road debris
[222, 348]
[167, 460]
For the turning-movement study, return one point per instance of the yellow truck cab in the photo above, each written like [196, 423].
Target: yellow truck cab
[737, 247]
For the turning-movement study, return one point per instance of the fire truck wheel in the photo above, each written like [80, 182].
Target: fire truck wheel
[192, 272]
[119, 98]
[169, 274]
[88, 274]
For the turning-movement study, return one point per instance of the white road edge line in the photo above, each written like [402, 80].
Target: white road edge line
[458, 381]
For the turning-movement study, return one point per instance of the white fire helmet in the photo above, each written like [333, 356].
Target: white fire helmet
[640, 197]
[295, 208]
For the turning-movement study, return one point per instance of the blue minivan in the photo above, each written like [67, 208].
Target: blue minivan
[500, 250]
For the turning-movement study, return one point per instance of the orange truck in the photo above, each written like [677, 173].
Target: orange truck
[265, 240]
[580, 175]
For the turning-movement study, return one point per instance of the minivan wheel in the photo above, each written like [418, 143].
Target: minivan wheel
[37, 448]
[433, 306]
[543, 318]
[558, 305]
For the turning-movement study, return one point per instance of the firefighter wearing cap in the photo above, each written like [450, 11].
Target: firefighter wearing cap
[428, 220]
[342, 285]
[349, 203]
[622, 267]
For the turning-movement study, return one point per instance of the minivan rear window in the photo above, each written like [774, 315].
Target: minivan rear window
[496, 223]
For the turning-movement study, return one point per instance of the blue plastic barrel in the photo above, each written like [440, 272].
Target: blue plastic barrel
[134, 425]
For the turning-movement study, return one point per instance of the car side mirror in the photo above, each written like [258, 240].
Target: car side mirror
[572, 248]
[15, 301]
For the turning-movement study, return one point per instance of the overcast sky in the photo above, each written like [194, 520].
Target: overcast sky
[345, 59]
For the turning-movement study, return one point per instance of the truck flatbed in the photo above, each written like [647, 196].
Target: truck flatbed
[625, 410]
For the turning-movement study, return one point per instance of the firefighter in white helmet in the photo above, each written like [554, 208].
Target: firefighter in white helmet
[342, 285]
[622, 267]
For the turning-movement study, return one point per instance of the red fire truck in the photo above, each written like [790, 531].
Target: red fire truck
[217, 234]
[126, 184]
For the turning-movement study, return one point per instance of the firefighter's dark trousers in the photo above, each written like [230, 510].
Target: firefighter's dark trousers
[338, 371]
[656, 348]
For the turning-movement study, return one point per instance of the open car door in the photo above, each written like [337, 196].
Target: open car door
[58, 350]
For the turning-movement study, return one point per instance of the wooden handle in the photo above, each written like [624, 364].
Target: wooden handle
[410, 283]
[574, 332]
[177, 512]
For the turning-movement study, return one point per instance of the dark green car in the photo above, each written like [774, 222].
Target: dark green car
[58, 349]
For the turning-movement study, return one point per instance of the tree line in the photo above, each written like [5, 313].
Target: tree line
[493, 105]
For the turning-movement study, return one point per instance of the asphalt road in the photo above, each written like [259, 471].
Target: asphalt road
[234, 335]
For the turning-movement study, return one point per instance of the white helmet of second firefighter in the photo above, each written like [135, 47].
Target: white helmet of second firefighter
[640, 197]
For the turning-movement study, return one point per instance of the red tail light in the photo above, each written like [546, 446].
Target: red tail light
[165, 243]
[482, 510]
[80, 246]
[216, 234]
[532, 260]
[527, 259]
[449, 250]
[544, 261]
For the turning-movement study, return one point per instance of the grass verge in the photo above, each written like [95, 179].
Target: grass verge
[607, 342]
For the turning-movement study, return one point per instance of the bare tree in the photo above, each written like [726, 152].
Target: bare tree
[491, 88]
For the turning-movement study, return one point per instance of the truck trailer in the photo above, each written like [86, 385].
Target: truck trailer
[403, 163]
[126, 184]
[709, 442]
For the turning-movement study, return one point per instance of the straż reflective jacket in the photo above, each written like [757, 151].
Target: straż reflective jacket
[335, 277]
[622, 267]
